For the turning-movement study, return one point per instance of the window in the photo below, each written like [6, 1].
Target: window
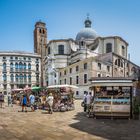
[119, 62]
[123, 51]
[99, 66]
[54, 74]
[60, 82]
[127, 73]
[49, 50]
[77, 68]
[61, 49]
[11, 57]
[108, 68]
[70, 70]
[29, 66]
[85, 92]
[24, 66]
[21, 77]
[64, 72]
[16, 58]
[5, 77]
[108, 47]
[40, 30]
[82, 43]
[70, 80]
[29, 58]
[29, 78]
[16, 65]
[99, 75]
[11, 66]
[16, 78]
[77, 92]
[20, 66]
[24, 58]
[65, 81]
[4, 66]
[85, 78]
[37, 67]
[60, 74]
[116, 62]
[85, 66]
[4, 58]
[25, 77]
[12, 77]
[77, 79]
[37, 78]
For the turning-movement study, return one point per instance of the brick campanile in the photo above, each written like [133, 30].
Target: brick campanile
[40, 43]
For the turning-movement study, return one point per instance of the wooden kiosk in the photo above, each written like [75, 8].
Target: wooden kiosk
[112, 96]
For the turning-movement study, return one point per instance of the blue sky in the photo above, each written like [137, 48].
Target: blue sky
[64, 19]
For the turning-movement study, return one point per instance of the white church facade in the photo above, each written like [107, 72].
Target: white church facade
[75, 61]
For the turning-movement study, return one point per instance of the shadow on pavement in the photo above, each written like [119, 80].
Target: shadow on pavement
[118, 129]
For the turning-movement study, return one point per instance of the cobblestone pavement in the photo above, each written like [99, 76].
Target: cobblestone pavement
[71, 125]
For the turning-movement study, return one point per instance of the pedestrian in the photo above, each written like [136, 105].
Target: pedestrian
[1, 99]
[88, 102]
[9, 99]
[50, 102]
[24, 103]
[32, 101]
[85, 102]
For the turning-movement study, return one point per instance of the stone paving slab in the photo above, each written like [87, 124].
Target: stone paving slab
[71, 125]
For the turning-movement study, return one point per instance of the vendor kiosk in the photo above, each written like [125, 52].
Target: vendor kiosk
[112, 96]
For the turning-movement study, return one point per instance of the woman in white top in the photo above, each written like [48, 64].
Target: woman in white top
[50, 102]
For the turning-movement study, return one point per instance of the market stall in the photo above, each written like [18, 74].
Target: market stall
[112, 96]
[63, 97]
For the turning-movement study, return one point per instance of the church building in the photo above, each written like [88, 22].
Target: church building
[75, 61]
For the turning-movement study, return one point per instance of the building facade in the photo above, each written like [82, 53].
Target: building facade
[19, 70]
[75, 61]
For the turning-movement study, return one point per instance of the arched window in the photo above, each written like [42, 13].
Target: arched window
[40, 30]
[12, 77]
[133, 70]
[20, 65]
[61, 49]
[29, 66]
[25, 77]
[16, 65]
[123, 51]
[29, 78]
[16, 77]
[11, 66]
[43, 31]
[37, 67]
[21, 77]
[119, 62]
[5, 77]
[24, 66]
[108, 47]
[49, 50]
[4, 66]
[116, 62]
[37, 78]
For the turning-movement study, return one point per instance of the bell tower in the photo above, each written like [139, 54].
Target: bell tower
[40, 43]
[40, 39]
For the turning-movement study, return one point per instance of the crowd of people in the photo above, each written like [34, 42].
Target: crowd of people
[42, 100]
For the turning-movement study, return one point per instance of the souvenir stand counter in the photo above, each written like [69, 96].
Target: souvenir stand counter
[112, 96]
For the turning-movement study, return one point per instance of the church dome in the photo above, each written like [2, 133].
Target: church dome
[87, 32]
